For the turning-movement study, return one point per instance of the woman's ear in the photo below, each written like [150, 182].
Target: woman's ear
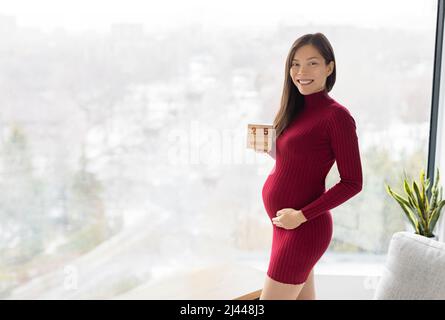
[331, 67]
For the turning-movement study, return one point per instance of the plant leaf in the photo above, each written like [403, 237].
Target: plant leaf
[411, 217]
[420, 207]
[405, 205]
[397, 196]
[419, 198]
[435, 215]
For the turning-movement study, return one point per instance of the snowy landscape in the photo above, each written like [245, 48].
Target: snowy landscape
[123, 155]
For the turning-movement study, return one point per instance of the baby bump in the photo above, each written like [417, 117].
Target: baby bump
[276, 197]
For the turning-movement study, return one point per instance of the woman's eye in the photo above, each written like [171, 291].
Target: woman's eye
[296, 64]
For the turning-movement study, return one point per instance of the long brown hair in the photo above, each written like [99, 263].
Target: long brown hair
[292, 100]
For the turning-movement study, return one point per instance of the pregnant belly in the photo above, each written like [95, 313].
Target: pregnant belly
[277, 196]
[284, 191]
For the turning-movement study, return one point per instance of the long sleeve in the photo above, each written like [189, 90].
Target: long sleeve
[341, 130]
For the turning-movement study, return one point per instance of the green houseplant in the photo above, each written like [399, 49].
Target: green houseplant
[421, 210]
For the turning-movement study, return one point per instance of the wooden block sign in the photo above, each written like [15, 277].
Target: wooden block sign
[260, 137]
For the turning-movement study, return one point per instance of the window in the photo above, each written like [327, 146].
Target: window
[123, 154]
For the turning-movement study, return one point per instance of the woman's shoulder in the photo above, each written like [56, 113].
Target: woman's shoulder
[338, 111]
[337, 115]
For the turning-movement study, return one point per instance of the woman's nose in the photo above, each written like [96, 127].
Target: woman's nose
[299, 71]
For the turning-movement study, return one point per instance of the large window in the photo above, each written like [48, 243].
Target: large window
[123, 138]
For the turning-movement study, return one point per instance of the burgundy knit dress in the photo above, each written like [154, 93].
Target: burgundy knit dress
[323, 133]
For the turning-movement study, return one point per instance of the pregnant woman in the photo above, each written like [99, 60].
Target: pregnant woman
[312, 132]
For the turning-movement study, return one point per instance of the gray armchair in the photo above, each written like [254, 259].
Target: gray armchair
[414, 269]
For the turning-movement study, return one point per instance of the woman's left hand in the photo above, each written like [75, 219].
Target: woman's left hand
[289, 218]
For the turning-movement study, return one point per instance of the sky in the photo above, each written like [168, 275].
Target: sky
[98, 15]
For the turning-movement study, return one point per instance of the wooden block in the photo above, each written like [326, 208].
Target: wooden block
[260, 137]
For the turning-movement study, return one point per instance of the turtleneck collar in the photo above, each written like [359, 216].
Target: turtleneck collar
[316, 98]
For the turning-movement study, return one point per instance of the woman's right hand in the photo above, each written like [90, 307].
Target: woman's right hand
[272, 153]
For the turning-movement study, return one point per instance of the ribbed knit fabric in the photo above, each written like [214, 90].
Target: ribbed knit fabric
[323, 133]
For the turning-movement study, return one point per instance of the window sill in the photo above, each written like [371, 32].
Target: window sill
[332, 263]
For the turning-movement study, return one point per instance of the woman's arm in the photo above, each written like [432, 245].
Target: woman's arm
[341, 130]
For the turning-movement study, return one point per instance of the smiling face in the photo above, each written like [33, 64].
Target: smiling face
[308, 64]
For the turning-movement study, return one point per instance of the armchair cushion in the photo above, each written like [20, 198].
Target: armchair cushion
[414, 269]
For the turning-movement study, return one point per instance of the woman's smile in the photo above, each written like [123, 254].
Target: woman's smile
[305, 82]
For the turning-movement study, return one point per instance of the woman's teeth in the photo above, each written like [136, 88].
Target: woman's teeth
[305, 82]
